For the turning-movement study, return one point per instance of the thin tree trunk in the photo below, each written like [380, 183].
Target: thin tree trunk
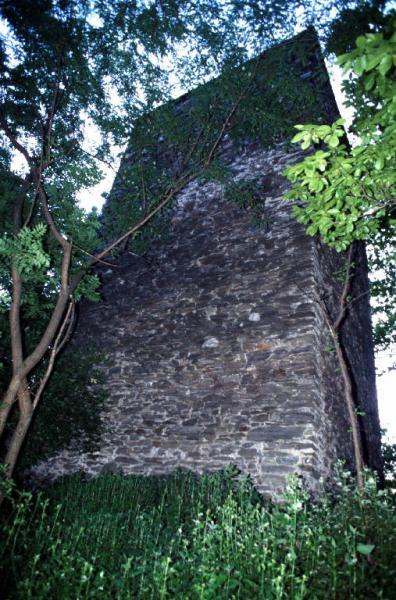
[18, 436]
[334, 328]
[350, 402]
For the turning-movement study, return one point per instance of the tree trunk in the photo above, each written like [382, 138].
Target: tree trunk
[18, 437]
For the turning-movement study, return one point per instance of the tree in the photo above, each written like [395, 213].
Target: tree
[346, 194]
[349, 193]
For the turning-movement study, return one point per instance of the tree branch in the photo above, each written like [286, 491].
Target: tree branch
[47, 128]
[12, 137]
[350, 401]
[345, 290]
[59, 342]
[48, 216]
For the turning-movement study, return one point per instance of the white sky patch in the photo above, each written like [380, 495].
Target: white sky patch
[94, 197]
[336, 78]
[11, 44]
[386, 390]
[94, 20]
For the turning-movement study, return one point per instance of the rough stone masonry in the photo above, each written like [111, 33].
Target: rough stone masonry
[218, 352]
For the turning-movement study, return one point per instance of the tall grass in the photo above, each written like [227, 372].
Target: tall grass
[197, 537]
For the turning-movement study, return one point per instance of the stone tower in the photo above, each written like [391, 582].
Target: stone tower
[217, 348]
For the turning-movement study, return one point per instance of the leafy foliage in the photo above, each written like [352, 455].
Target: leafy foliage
[198, 537]
[175, 141]
[348, 194]
[26, 249]
[352, 21]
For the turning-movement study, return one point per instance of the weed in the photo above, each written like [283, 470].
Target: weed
[191, 537]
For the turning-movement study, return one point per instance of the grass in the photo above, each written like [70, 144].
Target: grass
[189, 537]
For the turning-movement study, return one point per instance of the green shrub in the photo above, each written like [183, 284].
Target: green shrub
[205, 537]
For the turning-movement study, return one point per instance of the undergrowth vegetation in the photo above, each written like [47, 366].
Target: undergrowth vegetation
[204, 537]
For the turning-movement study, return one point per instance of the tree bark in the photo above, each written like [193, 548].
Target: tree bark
[334, 328]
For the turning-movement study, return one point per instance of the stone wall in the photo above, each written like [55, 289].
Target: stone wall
[217, 348]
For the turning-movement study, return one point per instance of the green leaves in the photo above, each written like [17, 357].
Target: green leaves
[185, 536]
[333, 140]
[385, 65]
[309, 134]
[379, 163]
[373, 60]
[26, 249]
[348, 194]
[299, 136]
[365, 549]
[248, 195]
